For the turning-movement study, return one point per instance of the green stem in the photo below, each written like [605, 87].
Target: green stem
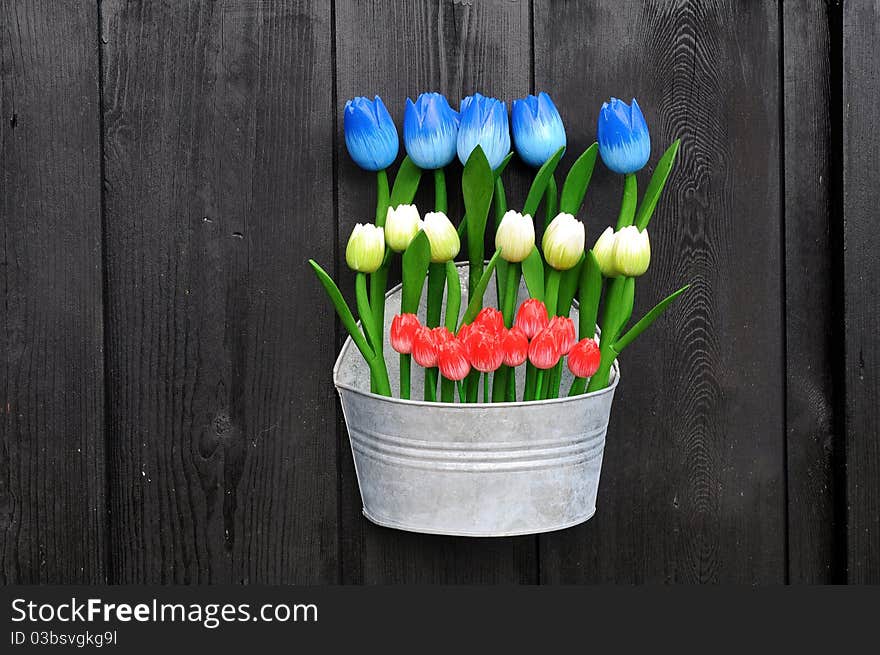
[405, 371]
[630, 198]
[447, 390]
[472, 386]
[499, 200]
[551, 292]
[453, 296]
[510, 293]
[551, 201]
[378, 284]
[578, 386]
[462, 392]
[555, 381]
[440, 203]
[436, 281]
[539, 384]
[378, 371]
[511, 386]
[431, 384]
[486, 396]
[500, 384]
[383, 197]
[531, 378]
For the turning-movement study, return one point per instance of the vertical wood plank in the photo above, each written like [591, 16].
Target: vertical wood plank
[813, 347]
[861, 151]
[693, 485]
[398, 49]
[52, 473]
[219, 135]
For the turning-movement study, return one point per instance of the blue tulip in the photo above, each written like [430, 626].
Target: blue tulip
[624, 142]
[483, 123]
[370, 134]
[537, 129]
[430, 131]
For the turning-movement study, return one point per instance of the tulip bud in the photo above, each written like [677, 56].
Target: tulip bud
[632, 251]
[430, 131]
[515, 236]
[424, 350]
[491, 320]
[531, 317]
[563, 242]
[543, 350]
[403, 330]
[452, 360]
[563, 329]
[515, 346]
[484, 350]
[484, 124]
[370, 134]
[584, 358]
[402, 224]
[366, 248]
[443, 237]
[537, 129]
[624, 142]
[441, 335]
[604, 252]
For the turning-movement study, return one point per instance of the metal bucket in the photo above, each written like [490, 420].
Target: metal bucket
[476, 470]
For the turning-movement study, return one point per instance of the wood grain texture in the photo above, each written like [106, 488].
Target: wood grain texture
[52, 474]
[219, 174]
[693, 486]
[813, 350]
[861, 151]
[400, 49]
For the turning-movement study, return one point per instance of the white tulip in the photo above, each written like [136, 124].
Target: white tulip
[402, 224]
[366, 248]
[563, 242]
[604, 252]
[443, 237]
[515, 236]
[632, 251]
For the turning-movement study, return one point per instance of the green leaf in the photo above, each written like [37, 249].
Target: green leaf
[536, 192]
[477, 187]
[576, 182]
[568, 286]
[342, 309]
[655, 186]
[475, 301]
[533, 272]
[504, 162]
[590, 293]
[416, 259]
[647, 320]
[373, 331]
[406, 183]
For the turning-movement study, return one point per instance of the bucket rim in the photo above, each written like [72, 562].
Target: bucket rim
[615, 367]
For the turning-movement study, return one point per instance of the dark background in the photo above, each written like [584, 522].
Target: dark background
[168, 414]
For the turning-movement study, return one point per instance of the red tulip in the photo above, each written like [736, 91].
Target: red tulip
[583, 360]
[515, 347]
[490, 319]
[484, 350]
[403, 329]
[543, 350]
[453, 361]
[463, 331]
[564, 330]
[441, 335]
[531, 317]
[424, 350]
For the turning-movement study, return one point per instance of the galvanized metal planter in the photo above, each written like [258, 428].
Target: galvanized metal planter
[477, 470]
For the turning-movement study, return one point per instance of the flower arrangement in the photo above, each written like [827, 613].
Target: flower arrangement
[470, 352]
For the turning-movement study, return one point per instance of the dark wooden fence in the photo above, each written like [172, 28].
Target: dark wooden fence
[167, 167]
